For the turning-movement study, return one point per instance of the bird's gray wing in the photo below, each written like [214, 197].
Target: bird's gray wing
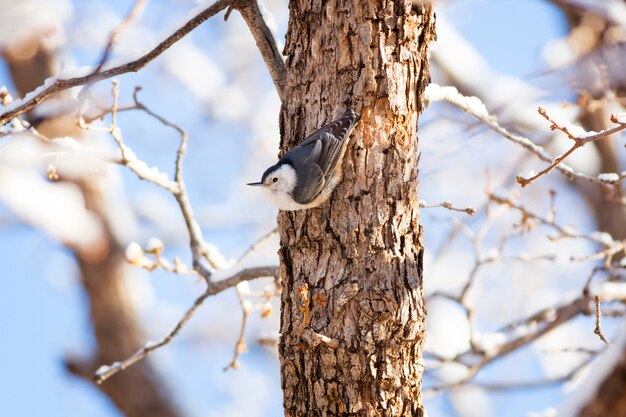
[306, 190]
[316, 158]
[314, 161]
[333, 138]
[307, 151]
[332, 148]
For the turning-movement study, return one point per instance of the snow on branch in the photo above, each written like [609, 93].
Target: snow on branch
[207, 261]
[485, 348]
[106, 371]
[448, 205]
[580, 138]
[475, 107]
[67, 79]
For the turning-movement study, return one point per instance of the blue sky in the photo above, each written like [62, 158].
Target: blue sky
[43, 313]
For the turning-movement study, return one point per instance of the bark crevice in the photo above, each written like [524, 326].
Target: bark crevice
[352, 269]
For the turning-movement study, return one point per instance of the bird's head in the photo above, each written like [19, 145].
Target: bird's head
[278, 178]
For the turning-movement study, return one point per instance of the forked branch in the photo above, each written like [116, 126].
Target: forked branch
[474, 107]
[203, 260]
[106, 371]
[580, 138]
[249, 10]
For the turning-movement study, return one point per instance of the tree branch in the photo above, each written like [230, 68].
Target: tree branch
[598, 329]
[201, 252]
[580, 139]
[448, 205]
[249, 10]
[106, 371]
[473, 106]
[56, 84]
[134, 13]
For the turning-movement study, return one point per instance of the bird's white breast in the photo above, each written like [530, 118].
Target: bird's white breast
[283, 200]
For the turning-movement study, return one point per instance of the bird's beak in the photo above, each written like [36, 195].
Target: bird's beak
[256, 184]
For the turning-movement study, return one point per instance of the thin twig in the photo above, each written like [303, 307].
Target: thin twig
[564, 232]
[261, 241]
[129, 158]
[134, 13]
[103, 112]
[504, 386]
[107, 371]
[182, 147]
[448, 205]
[598, 329]
[54, 85]
[579, 142]
[544, 321]
[240, 345]
[473, 106]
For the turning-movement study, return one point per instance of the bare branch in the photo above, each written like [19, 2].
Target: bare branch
[246, 305]
[134, 13]
[473, 106]
[530, 329]
[87, 119]
[107, 371]
[249, 10]
[502, 386]
[598, 329]
[136, 255]
[448, 205]
[129, 158]
[240, 345]
[262, 240]
[182, 148]
[55, 84]
[602, 239]
[544, 321]
[580, 139]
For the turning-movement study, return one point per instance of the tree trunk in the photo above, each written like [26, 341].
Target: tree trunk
[609, 399]
[352, 320]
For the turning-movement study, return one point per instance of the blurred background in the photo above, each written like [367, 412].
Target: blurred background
[515, 55]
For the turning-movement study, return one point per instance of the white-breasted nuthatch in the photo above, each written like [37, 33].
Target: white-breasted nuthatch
[308, 173]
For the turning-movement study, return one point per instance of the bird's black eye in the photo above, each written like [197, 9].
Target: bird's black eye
[274, 179]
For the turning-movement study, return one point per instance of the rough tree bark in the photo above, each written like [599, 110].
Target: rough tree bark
[352, 269]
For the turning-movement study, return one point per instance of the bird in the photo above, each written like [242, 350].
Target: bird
[307, 174]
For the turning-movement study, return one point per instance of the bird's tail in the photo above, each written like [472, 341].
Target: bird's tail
[342, 127]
